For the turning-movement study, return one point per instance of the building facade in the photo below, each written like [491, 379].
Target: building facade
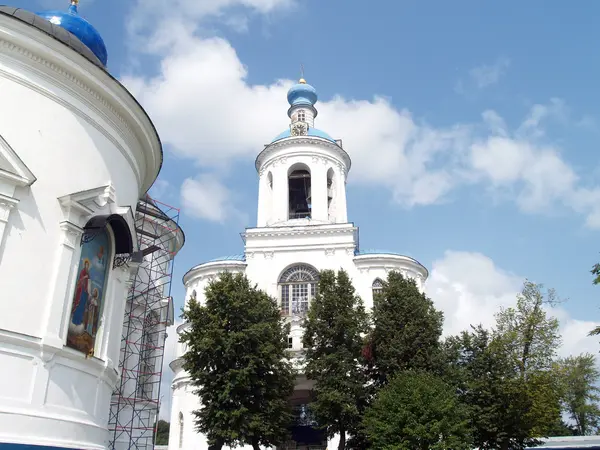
[77, 152]
[302, 228]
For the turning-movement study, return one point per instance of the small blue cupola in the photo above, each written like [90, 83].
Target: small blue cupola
[71, 21]
[302, 94]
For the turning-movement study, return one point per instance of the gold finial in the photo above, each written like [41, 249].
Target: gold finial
[302, 80]
[74, 2]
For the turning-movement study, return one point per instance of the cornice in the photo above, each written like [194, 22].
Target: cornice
[390, 262]
[316, 230]
[211, 270]
[60, 66]
[266, 157]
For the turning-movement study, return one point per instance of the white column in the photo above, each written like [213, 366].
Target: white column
[318, 184]
[280, 194]
[341, 207]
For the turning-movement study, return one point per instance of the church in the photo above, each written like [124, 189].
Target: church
[85, 253]
[302, 228]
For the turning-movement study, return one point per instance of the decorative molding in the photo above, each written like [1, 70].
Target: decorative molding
[39, 60]
[391, 262]
[118, 108]
[262, 160]
[250, 255]
[6, 205]
[78, 207]
[12, 168]
[290, 231]
[269, 255]
[329, 251]
[71, 234]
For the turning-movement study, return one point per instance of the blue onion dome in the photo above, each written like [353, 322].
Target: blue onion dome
[302, 94]
[71, 21]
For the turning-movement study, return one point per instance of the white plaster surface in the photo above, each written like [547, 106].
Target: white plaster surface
[74, 144]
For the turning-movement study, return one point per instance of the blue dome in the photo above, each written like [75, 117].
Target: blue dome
[302, 94]
[311, 132]
[75, 24]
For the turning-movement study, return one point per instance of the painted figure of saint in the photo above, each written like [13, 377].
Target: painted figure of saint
[81, 297]
[91, 315]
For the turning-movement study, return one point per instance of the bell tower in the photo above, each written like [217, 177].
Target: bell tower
[303, 170]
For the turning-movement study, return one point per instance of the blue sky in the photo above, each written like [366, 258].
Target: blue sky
[472, 127]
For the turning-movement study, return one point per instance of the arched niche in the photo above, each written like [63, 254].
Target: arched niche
[103, 239]
[299, 192]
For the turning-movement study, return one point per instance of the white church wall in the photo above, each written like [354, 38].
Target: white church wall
[90, 150]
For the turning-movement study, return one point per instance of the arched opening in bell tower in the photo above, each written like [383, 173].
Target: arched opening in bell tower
[299, 192]
[330, 192]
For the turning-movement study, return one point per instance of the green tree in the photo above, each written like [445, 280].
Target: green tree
[333, 341]
[579, 376]
[530, 338]
[527, 332]
[238, 362]
[494, 392]
[417, 411]
[406, 330]
[162, 432]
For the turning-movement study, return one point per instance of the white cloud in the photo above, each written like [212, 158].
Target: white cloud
[207, 198]
[469, 288]
[489, 74]
[205, 110]
[160, 188]
[174, 16]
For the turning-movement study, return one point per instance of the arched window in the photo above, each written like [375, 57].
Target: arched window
[377, 287]
[298, 286]
[299, 193]
[90, 292]
[149, 357]
[330, 196]
[180, 430]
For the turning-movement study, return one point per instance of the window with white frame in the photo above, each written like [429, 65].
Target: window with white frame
[298, 286]
[302, 115]
[377, 287]
[180, 430]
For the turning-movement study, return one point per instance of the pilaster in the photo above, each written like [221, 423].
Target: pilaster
[57, 313]
[6, 205]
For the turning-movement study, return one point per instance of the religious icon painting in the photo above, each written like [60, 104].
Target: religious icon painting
[88, 298]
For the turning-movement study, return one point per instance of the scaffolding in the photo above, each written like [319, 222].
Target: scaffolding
[135, 403]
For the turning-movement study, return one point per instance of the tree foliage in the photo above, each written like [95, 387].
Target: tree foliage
[495, 395]
[333, 341]
[162, 432]
[417, 411]
[406, 330]
[527, 333]
[579, 376]
[238, 362]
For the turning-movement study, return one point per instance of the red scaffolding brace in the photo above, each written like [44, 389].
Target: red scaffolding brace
[135, 402]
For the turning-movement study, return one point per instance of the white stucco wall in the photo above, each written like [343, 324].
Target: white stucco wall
[74, 145]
